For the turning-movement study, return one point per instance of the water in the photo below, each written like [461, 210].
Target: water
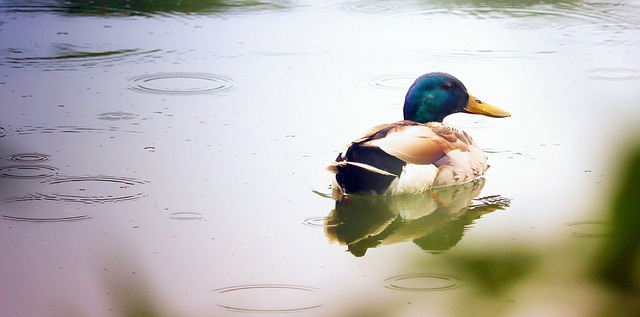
[176, 153]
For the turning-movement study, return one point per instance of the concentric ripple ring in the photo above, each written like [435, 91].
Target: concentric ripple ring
[319, 222]
[268, 298]
[29, 157]
[423, 282]
[181, 83]
[27, 171]
[614, 74]
[87, 189]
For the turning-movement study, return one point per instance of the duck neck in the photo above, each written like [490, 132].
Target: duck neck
[422, 110]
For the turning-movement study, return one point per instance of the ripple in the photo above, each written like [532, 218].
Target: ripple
[185, 215]
[613, 73]
[87, 189]
[29, 157]
[559, 24]
[423, 282]
[319, 222]
[26, 7]
[509, 154]
[42, 211]
[393, 81]
[512, 53]
[116, 115]
[181, 83]
[27, 171]
[3, 132]
[535, 18]
[268, 298]
[71, 129]
[169, 9]
[54, 219]
[66, 8]
[72, 57]
[589, 229]
[368, 8]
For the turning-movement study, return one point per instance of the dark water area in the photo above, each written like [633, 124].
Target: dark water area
[170, 157]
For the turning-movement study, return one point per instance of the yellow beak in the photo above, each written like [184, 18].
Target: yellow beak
[475, 106]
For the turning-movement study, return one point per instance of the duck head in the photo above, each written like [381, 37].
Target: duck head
[433, 96]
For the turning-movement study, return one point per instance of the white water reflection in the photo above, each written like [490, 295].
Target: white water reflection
[209, 181]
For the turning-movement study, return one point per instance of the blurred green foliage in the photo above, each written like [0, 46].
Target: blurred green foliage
[618, 261]
[494, 272]
[601, 276]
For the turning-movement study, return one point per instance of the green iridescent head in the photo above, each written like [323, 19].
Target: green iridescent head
[433, 96]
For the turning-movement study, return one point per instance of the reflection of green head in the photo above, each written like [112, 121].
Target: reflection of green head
[444, 239]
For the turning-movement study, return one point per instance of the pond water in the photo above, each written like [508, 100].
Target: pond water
[172, 156]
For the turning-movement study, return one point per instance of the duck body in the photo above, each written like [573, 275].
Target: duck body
[420, 152]
[407, 157]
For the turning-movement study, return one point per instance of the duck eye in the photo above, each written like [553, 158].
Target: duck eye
[448, 86]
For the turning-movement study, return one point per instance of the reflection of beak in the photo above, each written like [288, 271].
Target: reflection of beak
[475, 106]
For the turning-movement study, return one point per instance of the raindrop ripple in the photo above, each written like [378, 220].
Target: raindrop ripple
[562, 22]
[70, 57]
[46, 220]
[116, 115]
[29, 158]
[87, 189]
[393, 81]
[27, 171]
[423, 282]
[274, 298]
[318, 222]
[186, 215]
[181, 83]
[613, 74]
[368, 8]
[69, 129]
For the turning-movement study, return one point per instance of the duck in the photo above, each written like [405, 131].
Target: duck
[421, 152]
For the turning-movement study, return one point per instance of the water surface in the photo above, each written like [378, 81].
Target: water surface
[174, 154]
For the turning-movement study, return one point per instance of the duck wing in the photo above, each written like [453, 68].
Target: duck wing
[419, 143]
[408, 157]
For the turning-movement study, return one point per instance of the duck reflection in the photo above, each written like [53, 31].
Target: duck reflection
[435, 220]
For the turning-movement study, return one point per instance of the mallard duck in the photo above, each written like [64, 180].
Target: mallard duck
[420, 152]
